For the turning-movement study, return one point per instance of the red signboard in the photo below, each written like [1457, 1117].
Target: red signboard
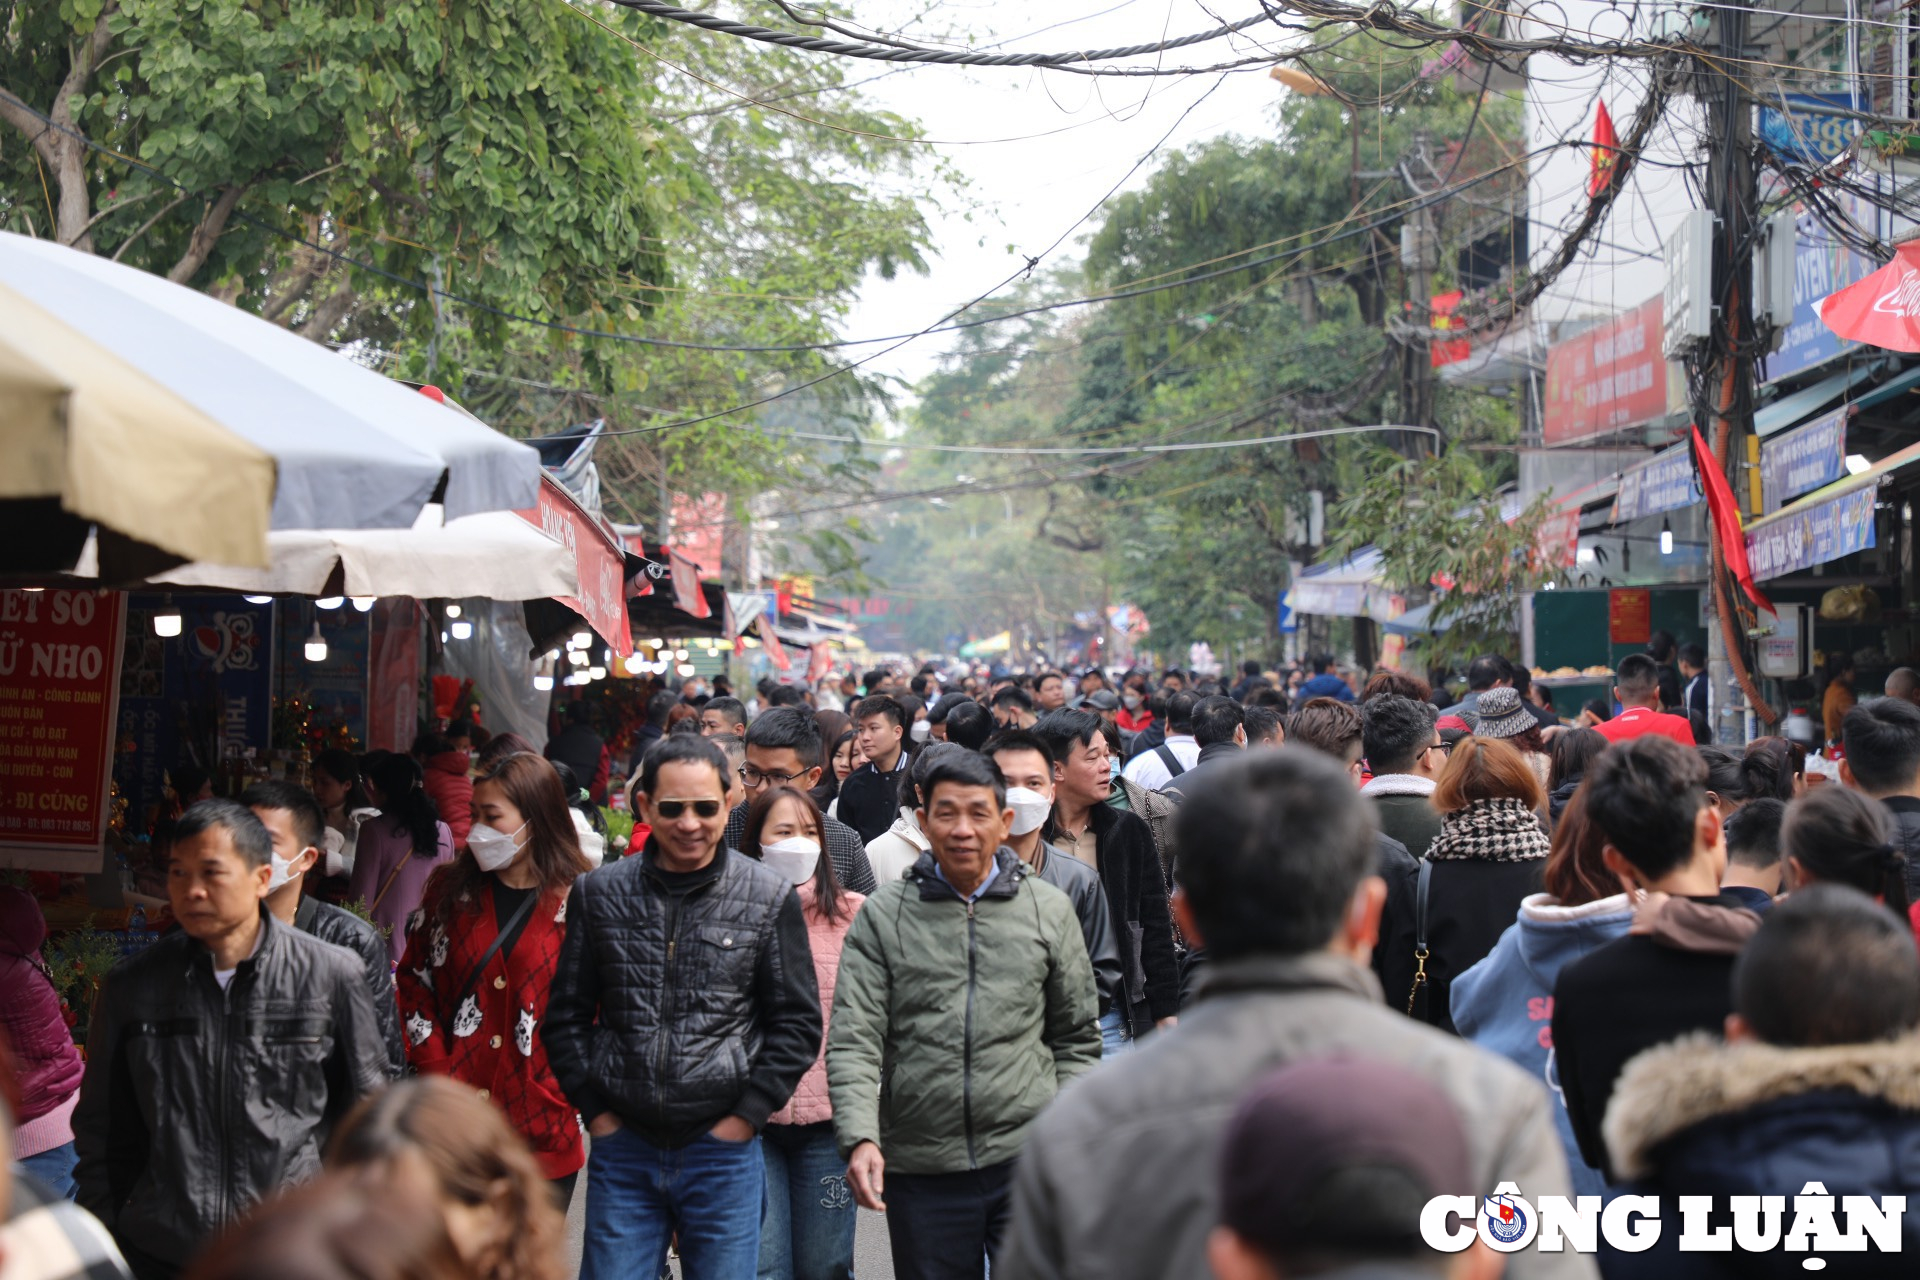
[597, 557]
[393, 676]
[700, 529]
[1609, 377]
[1629, 615]
[59, 696]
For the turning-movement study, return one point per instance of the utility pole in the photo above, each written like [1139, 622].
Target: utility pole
[1726, 364]
[1419, 256]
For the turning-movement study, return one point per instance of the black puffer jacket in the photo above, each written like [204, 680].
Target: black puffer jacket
[1906, 838]
[680, 1000]
[1137, 904]
[199, 1102]
[345, 929]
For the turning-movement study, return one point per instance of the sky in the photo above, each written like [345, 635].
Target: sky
[1022, 196]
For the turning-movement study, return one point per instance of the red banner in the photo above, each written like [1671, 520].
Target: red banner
[700, 529]
[1882, 310]
[1442, 347]
[1724, 509]
[1609, 377]
[597, 557]
[775, 650]
[687, 595]
[59, 700]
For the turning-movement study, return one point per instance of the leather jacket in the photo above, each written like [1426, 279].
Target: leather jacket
[344, 929]
[681, 999]
[199, 1102]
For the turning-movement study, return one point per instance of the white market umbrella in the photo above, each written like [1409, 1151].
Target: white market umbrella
[351, 449]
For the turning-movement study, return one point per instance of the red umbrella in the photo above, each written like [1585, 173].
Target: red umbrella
[1882, 310]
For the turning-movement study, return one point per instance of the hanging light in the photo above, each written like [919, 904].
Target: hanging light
[461, 629]
[655, 643]
[316, 644]
[166, 621]
[1666, 537]
[329, 602]
[364, 603]
[680, 655]
[443, 635]
[685, 669]
[553, 655]
[543, 684]
[583, 639]
[453, 609]
[596, 673]
[258, 599]
[634, 663]
[576, 657]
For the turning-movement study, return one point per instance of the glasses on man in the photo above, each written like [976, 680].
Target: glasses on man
[672, 809]
[1443, 747]
[755, 777]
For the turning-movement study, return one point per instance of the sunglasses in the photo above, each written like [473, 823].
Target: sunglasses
[671, 809]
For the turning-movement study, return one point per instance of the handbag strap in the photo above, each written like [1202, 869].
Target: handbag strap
[1420, 949]
[504, 938]
[392, 875]
[1172, 761]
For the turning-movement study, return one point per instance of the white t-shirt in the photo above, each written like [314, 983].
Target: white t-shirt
[1148, 770]
[224, 976]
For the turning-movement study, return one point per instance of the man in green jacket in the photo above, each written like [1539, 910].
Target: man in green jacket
[964, 1002]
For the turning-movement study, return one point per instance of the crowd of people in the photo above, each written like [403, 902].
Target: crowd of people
[1069, 975]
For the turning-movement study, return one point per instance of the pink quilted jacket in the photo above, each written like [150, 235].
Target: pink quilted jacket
[810, 1104]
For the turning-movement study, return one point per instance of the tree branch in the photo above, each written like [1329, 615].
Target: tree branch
[212, 223]
[147, 226]
[114, 208]
[328, 313]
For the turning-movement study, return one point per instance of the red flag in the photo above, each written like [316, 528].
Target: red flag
[1441, 349]
[775, 649]
[1883, 309]
[1606, 153]
[1725, 513]
[686, 586]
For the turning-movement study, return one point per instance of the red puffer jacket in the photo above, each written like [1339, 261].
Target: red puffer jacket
[452, 791]
[30, 1019]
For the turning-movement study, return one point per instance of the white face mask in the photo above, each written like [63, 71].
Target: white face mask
[282, 872]
[794, 858]
[921, 730]
[493, 849]
[1030, 809]
[1132, 700]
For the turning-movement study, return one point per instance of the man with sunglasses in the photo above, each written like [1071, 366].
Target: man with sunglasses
[1406, 753]
[684, 1012]
[784, 750]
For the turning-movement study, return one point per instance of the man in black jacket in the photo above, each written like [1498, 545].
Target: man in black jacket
[297, 827]
[784, 750]
[683, 1013]
[1672, 973]
[870, 797]
[1120, 847]
[220, 1058]
[1882, 740]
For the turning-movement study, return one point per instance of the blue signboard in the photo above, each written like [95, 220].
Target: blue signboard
[1821, 264]
[1665, 482]
[1803, 459]
[1802, 132]
[1826, 531]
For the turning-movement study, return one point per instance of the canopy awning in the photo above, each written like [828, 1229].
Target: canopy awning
[1824, 525]
[1898, 385]
[1804, 403]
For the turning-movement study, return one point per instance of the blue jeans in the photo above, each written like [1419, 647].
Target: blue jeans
[807, 1233]
[1113, 1034]
[54, 1167]
[639, 1196]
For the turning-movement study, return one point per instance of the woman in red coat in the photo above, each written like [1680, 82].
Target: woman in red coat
[473, 1003]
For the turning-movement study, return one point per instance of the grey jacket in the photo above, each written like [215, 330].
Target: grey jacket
[1116, 1181]
[1081, 883]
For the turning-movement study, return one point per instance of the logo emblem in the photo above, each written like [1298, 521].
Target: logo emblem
[1506, 1218]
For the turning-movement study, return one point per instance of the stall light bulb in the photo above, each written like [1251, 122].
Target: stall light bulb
[1856, 463]
[453, 609]
[655, 643]
[329, 602]
[576, 657]
[553, 655]
[1666, 538]
[543, 684]
[582, 639]
[634, 663]
[596, 673]
[258, 599]
[685, 669]
[461, 629]
[364, 603]
[443, 635]
[1584, 555]
[680, 655]
[166, 623]
[316, 644]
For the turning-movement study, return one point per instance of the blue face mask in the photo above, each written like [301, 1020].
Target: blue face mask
[1113, 768]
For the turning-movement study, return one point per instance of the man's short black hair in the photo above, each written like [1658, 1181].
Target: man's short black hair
[874, 679]
[969, 725]
[1045, 676]
[1251, 667]
[1829, 966]
[918, 685]
[1882, 741]
[1693, 655]
[309, 820]
[1637, 676]
[1394, 731]
[1660, 647]
[1322, 663]
[659, 707]
[250, 838]
[788, 728]
[1265, 695]
[1180, 711]
[1017, 740]
[1263, 723]
[1644, 795]
[969, 770]
[679, 748]
[1215, 718]
[944, 704]
[1272, 848]
[881, 704]
[787, 695]
[1013, 696]
[1753, 833]
[1487, 671]
[1063, 731]
[732, 708]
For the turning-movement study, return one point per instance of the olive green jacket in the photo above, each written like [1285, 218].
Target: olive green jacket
[955, 1023]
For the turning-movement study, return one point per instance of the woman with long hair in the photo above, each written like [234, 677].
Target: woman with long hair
[483, 949]
[398, 848]
[841, 762]
[1504, 1002]
[807, 1230]
[1572, 752]
[1491, 853]
[1836, 835]
[499, 1210]
[1733, 780]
